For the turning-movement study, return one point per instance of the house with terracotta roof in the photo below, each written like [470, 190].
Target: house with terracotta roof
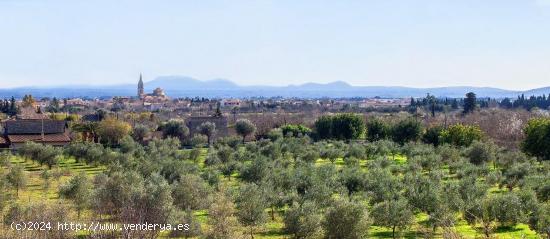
[46, 131]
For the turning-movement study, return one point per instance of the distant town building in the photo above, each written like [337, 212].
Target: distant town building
[230, 103]
[30, 112]
[140, 87]
[157, 96]
[379, 102]
[46, 131]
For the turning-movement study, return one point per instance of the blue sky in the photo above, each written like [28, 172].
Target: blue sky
[420, 43]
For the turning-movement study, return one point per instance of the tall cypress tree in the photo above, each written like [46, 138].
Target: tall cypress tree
[470, 103]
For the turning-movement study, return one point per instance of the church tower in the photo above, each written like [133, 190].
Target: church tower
[140, 86]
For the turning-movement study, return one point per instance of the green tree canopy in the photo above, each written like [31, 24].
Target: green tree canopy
[537, 138]
[461, 135]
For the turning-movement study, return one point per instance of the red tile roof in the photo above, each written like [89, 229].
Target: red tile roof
[3, 140]
[21, 138]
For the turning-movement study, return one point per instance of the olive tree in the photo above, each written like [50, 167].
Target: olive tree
[222, 223]
[16, 178]
[346, 220]
[302, 221]
[140, 132]
[207, 129]
[251, 204]
[395, 214]
[191, 192]
[78, 189]
[175, 129]
[480, 153]
[244, 128]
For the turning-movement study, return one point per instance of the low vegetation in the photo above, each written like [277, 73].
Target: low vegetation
[343, 178]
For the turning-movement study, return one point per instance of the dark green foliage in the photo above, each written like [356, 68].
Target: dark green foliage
[470, 103]
[431, 136]
[340, 126]
[323, 127]
[9, 107]
[537, 138]
[408, 130]
[377, 129]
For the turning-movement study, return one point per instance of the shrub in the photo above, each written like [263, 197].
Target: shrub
[377, 129]
[461, 135]
[341, 126]
[295, 130]
[406, 131]
[537, 138]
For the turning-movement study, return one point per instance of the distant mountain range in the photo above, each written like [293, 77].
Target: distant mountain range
[179, 86]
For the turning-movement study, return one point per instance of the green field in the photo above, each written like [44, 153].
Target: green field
[36, 190]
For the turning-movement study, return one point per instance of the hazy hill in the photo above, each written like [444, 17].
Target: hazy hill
[181, 86]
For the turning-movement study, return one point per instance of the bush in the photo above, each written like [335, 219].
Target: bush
[377, 129]
[431, 136]
[198, 141]
[406, 131]
[480, 153]
[537, 138]
[346, 220]
[302, 221]
[295, 130]
[461, 135]
[174, 129]
[275, 134]
[340, 126]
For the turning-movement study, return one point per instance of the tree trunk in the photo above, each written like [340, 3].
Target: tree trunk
[272, 213]
[393, 232]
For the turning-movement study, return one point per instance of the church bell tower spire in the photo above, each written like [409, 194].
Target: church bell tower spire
[140, 86]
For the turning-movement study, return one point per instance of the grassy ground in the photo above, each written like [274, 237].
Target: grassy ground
[36, 190]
